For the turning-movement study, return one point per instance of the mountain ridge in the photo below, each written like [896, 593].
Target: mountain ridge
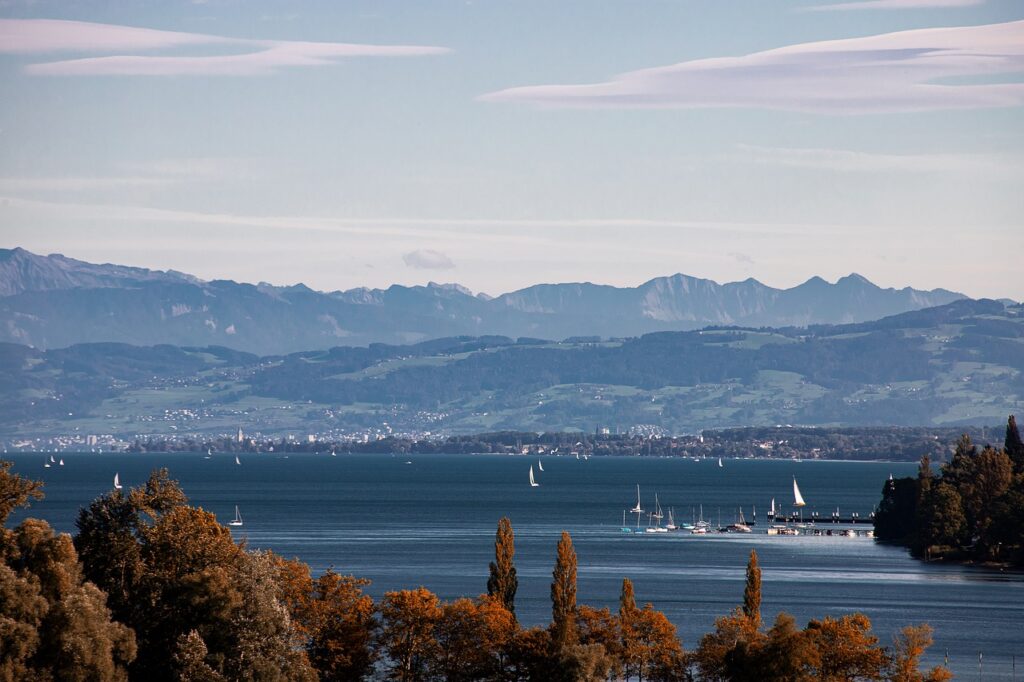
[54, 301]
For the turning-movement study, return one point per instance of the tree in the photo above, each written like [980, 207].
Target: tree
[846, 649]
[16, 491]
[54, 624]
[600, 626]
[1013, 445]
[503, 582]
[407, 633]
[730, 651]
[944, 522]
[909, 645]
[472, 638]
[752, 591]
[563, 595]
[660, 655]
[787, 654]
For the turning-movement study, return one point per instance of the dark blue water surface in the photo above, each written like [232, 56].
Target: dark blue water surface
[431, 522]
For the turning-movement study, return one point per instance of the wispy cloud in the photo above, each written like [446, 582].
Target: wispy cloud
[893, 4]
[254, 57]
[856, 161]
[428, 259]
[901, 71]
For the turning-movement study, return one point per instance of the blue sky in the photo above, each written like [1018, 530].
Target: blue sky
[501, 144]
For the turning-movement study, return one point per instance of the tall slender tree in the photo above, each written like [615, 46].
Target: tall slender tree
[1014, 446]
[503, 583]
[752, 591]
[563, 596]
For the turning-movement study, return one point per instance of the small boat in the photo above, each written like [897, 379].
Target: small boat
[740, 526]
[238, 461]
[238, 518]
[637, 509]
[333, 453]
[117, 482]
[782, 530]
[719, 461]
[408, 461]
[671, 525]
[798, 499]
[533, 483]
[540, 466]
[61, 461]
[46, 464]
[625, 528]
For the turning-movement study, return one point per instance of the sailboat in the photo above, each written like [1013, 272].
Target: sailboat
[671, 525]
[238, 461]
[637, 509]
[719, 461]
[540, 465]
[238, 518]
[61, 461]
[117, 482]
[46, 464]
[701, 527]
[658, 516]
[533, 483]
[625, 528]
[798, 499]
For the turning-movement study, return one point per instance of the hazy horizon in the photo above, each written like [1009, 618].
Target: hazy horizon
[500, 145]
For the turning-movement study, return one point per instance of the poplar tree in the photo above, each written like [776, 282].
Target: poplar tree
[503, 583]
[1013, 444]
[563, 596]
[752, 592]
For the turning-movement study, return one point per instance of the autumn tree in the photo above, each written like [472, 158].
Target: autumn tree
[846, 649]
[730, 651]
[472, 639]
[909, 646]
[408, 632]
[502, 582]
[172, 570]
[53, 624]
[563, 595]
[601, 626]
[16, 491]
[787, 653]
[752, 591]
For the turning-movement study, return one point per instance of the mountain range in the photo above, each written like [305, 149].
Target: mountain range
[962, 363]
[54, 301]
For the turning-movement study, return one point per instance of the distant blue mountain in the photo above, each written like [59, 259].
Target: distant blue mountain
[54, 301]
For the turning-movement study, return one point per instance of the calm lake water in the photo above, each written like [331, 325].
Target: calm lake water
[431, 522]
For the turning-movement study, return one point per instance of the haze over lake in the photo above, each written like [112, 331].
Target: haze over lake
[432, 523]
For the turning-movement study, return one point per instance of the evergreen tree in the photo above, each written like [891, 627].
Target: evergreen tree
[563, 596]
[752, 591]
[503, 583]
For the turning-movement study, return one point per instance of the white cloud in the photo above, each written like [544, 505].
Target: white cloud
[893, 4]
[428, 259]
[901, 71]
[255, 57]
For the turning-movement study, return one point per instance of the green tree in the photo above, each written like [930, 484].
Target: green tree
[944, 522]
[502, 582]
[563, 595]
[752, 591]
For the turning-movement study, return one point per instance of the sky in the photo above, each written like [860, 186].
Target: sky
[500, 144]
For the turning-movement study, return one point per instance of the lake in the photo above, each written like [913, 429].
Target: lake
[404, 521]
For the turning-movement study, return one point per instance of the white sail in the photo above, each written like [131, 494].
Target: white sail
[719, 461]
[52, 460]
[540, 465]
[238, 518]
[637, 509]
[117, 482]
[62, 461]
[237, 461]
[798, 499]
[533, 483]
[773, 506]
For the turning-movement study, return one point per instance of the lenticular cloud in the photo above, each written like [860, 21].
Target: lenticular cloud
[938, 68]
[111, 42]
